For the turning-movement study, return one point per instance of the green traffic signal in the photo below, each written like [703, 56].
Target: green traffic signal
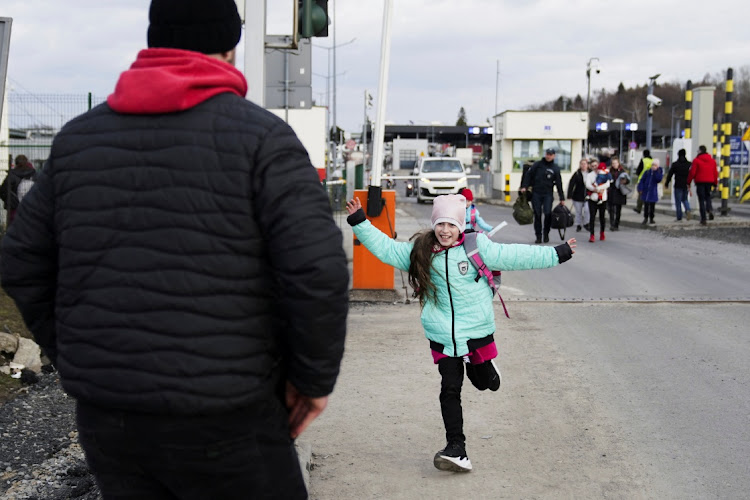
[313, 18]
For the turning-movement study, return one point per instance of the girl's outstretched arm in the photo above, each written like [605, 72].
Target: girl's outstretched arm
[387, 250]
[507, 257]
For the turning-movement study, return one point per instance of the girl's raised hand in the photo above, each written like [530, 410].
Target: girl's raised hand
[353, 205]
[572, 243]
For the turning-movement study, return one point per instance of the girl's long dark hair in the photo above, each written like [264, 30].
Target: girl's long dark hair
[421, 264]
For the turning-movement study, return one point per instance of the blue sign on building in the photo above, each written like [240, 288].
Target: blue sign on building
[738, 154]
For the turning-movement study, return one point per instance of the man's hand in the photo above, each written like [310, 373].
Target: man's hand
[303, 409]
[523, 190]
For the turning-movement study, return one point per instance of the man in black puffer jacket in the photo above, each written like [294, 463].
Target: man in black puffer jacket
[178, 263]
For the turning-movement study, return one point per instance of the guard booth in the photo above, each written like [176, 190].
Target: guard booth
[525, 135]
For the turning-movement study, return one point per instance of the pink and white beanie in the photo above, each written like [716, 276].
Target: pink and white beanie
[449, 208]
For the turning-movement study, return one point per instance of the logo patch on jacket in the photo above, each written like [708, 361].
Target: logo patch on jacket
[463, 267]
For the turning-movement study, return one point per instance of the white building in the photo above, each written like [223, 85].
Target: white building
[525, 135]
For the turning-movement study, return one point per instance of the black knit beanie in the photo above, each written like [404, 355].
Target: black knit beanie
[207, 26]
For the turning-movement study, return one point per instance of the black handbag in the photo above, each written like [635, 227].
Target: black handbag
[561, 219]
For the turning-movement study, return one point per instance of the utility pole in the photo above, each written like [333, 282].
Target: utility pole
[255, 38]
[497, 84]
[589, 67]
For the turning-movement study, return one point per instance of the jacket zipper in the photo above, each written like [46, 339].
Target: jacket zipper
[450, 297]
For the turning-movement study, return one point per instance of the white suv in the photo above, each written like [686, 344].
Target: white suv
[439, 175]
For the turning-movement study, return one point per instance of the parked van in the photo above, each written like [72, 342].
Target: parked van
[439, 175]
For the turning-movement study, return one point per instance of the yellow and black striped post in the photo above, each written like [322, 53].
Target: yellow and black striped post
[745, 195]
[689, 110]
[716, 138]
[725, 147]
[507, 187]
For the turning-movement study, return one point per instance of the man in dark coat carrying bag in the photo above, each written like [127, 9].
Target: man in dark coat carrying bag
[543, 177]
[178, 263]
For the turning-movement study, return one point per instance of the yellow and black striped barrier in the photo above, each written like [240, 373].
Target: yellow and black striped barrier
[745, 195]
[716, 137]
[725, 147]
[507, 187]
[688, 109]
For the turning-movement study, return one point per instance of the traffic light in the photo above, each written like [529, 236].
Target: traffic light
[313, 18]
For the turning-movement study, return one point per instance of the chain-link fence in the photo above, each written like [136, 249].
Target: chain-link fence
[33, 121]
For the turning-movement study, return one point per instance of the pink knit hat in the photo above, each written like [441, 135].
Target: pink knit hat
[449, 208]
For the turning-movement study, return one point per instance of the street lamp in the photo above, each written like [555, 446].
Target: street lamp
[332, 109]
[589, 67]
[649, 118]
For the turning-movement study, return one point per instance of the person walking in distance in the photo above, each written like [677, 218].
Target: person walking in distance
[648, 188]
[543, 177]
[615, 198]
[457, 312]
[643, 166]
[703, 171]
[597, 184]
[680, 169]
[577, 193]
[16, 185]
[189, 284]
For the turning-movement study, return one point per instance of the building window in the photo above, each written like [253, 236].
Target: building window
[524, 150]
[407, 158]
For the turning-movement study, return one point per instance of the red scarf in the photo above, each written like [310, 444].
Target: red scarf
[171, 80]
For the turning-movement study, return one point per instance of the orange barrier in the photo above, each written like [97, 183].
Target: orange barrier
[368, 273]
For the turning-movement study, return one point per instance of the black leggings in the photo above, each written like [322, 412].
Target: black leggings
[648, 210]
[614, 215]
[452, 373]
[593, 208]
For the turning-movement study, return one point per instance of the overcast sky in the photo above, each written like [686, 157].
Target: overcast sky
[444, 54]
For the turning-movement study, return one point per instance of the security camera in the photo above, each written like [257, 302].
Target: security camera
[656, 101]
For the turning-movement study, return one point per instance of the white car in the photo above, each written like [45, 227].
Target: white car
[439, 175]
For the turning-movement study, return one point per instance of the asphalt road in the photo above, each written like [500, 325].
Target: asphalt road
[626, 374]
[630, 264]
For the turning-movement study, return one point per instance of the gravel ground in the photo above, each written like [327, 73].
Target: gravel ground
[40, 458]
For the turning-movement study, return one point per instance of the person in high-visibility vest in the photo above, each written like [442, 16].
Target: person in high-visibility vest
[643, 166]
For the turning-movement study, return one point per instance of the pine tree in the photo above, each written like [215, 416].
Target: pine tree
[461, 122]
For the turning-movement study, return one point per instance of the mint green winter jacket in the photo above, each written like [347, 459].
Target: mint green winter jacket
[463, 310]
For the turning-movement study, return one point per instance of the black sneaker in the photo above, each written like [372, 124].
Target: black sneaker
[578, 229]
[453, 458]
[495, 377]
[538, 240]
[710, 216]
[546, 238]
[484, 376]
